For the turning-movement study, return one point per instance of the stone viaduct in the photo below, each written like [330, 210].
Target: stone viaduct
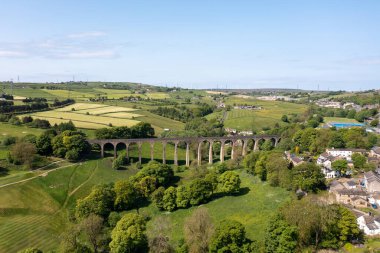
[188, 140]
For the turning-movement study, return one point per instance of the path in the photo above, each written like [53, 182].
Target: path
[41, 175]
[79, 186]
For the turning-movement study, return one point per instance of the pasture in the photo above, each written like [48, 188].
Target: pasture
[34, 213]
[94, 116]
[268, 116]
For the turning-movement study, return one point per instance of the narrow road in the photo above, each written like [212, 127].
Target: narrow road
[41, 175]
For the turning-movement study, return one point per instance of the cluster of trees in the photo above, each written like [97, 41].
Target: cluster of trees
[184, 113]
[58, 103]
[198, 191]
[141, 130]
[34, 100]
[343, 113]
[361, 99]
[300, 138]
[272, 167]
[63, 141]
[125, 194]
[27, 120]
[311, 224]
[10, 108]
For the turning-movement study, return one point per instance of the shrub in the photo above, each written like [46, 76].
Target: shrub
[9, 140]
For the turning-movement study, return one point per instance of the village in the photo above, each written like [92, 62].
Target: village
[359, 191]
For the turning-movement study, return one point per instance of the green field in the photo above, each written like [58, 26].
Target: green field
[34, 213]
[339, 120]
[17, 131]
[94, 116]
[268, 116]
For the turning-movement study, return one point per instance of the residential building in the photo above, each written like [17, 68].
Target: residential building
[371, 181]
[356, 198]
[344, 153]
[369, 224]
[375, 152]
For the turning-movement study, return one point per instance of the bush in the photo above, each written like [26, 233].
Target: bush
[27, 119]
[14, 121]
[120, 161]
[9, 140]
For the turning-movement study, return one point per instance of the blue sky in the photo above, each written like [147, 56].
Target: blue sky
[197, 44]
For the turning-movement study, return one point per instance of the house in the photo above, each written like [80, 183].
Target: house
[369, 224]
[374, 199]
[371, 181]
[351, 197]
[359, 202]
[344, 153]
[335, 186]
[295, 160]
[375, 152]
[329, 173]
[350, 184]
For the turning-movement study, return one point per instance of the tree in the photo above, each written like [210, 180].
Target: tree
[70, 241]
[277, 170]
[119, 162]
[336, 141]
[340, 166]
[23, 153]
[43, 143]
[129, 235]
[267, 145]
[308, 177]
[162, 172]
[183, 197]
[146, 186]
[230, 237]
[70, 144]
[158, 197]
[126, 195]
[229, 182]
[284, 118]
[200, 191]
[169, 199]
[100, 201]
[92, 227]
[198, 230]
[158, 236]
[347, 225]
[359, 160]
[280, 236]
[374, 123]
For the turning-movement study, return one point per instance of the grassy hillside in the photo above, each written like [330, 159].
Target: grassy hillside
[34, 213]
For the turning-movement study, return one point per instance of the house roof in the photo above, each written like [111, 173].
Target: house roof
[376, 150]
[371, 177]
[351, 183]
[352, 192]
[346, 149]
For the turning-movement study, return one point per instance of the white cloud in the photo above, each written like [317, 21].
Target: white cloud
[86, 34]
[72, 46]
[11, 53]
[91, 54]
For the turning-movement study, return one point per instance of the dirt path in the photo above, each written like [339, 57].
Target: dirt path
[79, 186]
[41, 175]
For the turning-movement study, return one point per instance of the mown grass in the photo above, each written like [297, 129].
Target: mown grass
[17, 131]
[268, 116]
[339, 120]
[253, 208]
[34, 213]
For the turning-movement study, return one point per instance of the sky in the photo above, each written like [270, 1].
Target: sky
[325, 44]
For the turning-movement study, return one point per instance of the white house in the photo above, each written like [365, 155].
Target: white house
[343, 152]
[329, 173]
[369, 224]
[374, 199]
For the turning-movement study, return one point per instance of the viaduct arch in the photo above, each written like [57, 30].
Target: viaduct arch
[187, 140]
